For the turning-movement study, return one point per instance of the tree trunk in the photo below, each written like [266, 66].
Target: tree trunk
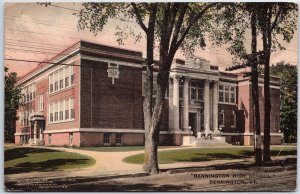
[267, 51]
[151, 159]
[255, 96]
[150, 156]
[152, 135]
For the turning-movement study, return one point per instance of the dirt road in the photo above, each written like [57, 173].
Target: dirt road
[279, 175]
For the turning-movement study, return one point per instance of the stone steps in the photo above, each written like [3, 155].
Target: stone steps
[214, 141]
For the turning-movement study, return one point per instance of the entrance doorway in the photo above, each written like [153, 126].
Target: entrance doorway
[193, 123]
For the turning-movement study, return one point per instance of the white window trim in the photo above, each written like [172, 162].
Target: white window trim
[57, 74]
[229, 93]
[197, 92]
[121, 138]
[109, 136]
[56, 106]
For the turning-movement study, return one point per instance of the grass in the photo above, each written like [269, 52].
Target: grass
[118, 149]
[207, 154]
[30, 159]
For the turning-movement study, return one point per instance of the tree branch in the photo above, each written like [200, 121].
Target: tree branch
[179, 23]
[139, 18]
[276, 19]
[192, 23]
[172, 20]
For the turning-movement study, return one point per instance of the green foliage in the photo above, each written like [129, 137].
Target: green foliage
[94, 16]
[12, 98]
[288, 99]
[207, 154]
[28, 159]
[232, 20]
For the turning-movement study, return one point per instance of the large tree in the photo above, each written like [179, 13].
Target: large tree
[12, 97]
[288, 99]
[277, 21]
[171, 26]
[235, 20]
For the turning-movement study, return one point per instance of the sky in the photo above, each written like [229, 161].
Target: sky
[37, 33]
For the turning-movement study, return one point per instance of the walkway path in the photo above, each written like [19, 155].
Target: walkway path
[110, 163]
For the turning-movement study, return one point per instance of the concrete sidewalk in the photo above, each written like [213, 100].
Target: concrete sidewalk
[110, 164]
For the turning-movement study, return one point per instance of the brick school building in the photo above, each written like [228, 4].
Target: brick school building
[92, 95]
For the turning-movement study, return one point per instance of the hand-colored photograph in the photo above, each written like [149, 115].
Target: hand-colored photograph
[150, 96]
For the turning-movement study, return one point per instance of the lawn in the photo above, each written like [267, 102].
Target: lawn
[118, 148]
[30, 159]
[207, 154]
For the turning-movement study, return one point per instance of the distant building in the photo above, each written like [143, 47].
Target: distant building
[97, 100]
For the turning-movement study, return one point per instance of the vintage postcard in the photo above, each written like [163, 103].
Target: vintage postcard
[148, 96]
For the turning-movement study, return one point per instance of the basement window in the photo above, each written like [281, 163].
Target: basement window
[106, 138]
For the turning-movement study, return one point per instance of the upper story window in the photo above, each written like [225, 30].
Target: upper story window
[28, 93]
[227, 93]
[196, 90]
[61, 79]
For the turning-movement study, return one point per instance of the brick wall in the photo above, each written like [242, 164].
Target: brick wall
[96, 139]
[72, 92]
[17, 140]
[91, 139]
[133, 139]
[228, 117]
[62, 139]
[170, 139]
[244, 105]
[104, 105]
[275, 109]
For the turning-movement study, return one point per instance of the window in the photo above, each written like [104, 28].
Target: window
[51, 82]
[70, 139]
[33, 90]
[41, 102]
[72, 75]
[106, 138]
[193, 93]
[119, 138]
[66, 81]
[56, 111]
[61, 79]
[227, 93]
[72, 108]
[232, 97]
[61, 111]
[67, 109]
[51, 112]
[196, 90]
[67, 76]
[221, 118]
[56, 81]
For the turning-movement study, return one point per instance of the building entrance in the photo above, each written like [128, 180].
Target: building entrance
[193, 123]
